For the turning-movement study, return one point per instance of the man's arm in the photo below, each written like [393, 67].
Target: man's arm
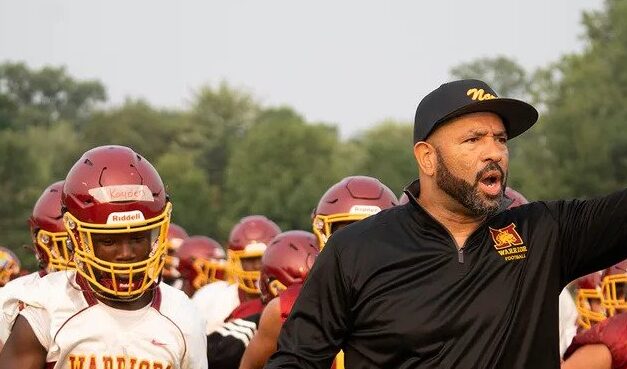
[317, 325]
[589, 357]
[264, 343]
[592, 234]
[22, 349]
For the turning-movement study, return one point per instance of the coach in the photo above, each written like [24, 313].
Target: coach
[452, 279]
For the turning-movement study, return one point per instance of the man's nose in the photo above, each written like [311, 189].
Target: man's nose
[494, 150]
[126, 251]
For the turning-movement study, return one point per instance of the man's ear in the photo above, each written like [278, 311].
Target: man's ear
[426, 158]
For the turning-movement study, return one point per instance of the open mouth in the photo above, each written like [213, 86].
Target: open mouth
[491, 183]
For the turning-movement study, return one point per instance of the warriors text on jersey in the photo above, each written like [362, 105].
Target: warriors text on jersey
[79, 332]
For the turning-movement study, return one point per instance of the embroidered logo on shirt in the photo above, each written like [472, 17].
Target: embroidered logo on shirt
[508, 243]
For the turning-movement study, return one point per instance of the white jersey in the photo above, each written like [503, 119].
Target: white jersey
[567, 320]
[80, 332]
[10, 304]
[216, 301]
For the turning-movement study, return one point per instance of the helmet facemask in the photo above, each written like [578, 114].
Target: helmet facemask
[325, 225]
[209, 271]
[119, 280]
[589, 306]
[52, 251]
[614, 289]
[247, 279]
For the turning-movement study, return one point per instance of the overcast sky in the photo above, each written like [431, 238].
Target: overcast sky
[352, 63]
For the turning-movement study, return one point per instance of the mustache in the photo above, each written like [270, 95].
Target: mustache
[490, 167]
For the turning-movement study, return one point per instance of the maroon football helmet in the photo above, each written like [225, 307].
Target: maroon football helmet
[287, 260]
[114, 190]
[248, 241]
[48, 232]
[201, 261]
[350, 200]
[517, 198]
[176, 236]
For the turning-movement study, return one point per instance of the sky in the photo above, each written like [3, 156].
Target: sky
[350, 63]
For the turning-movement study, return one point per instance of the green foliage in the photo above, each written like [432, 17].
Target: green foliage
[387, 154]
[43, 97]
[226, 156]
[280, 169]
[135, 124]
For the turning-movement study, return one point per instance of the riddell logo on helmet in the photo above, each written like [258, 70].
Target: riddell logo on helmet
[122, 193]
[365, 209]
[125, 217]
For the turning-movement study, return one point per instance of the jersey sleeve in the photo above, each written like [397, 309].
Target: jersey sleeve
[314, 331]
[39, 321]
[592, 234]
[226, 345]
[612, 333]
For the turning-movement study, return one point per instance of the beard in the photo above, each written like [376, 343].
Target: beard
[476, 203]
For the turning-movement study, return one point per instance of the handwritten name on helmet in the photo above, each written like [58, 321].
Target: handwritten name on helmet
[125, 217]
[364, 209]
[119, 193]
[479, 94]
[256, 246]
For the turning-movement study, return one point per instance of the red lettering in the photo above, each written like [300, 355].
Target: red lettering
[92, 362]
[133, 361]
[107, 362]
[144, 365]
[121, 362]
[156, 365]
[76, 362]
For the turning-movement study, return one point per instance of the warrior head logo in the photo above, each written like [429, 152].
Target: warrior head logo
[506, 237]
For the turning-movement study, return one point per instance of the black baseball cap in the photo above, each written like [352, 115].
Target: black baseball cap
[456, 98]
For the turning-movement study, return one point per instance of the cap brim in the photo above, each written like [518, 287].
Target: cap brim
[518, 116]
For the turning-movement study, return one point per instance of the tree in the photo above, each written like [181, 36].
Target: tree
[503, 74]
[280, 169]
[135, 124]
[42, 97]
[585, 119]
[387, 154]
[193, 201]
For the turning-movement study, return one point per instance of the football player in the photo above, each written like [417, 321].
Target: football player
[51, 250]
[351, 199]
[201, 260]
[286, 261]
[112, 310]
[170, 275]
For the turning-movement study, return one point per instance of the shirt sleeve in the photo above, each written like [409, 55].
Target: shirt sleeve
[315, 330]
[592, 233]
[39, 321]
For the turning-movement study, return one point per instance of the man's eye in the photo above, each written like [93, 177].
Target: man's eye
[106, 242]
[472, 139]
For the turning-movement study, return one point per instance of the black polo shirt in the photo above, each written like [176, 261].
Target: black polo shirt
[393, 290]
